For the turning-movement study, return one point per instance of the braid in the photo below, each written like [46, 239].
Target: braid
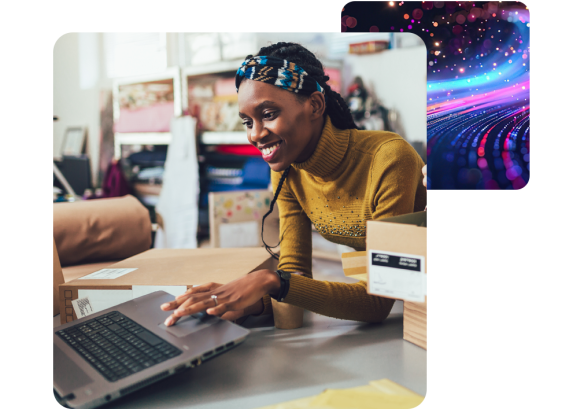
[269, 248]
[336, 107]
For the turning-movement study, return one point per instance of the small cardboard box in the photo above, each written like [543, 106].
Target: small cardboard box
[171, 270]
[396, 254]
[396, 268]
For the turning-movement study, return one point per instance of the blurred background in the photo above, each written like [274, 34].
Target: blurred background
[121, 100]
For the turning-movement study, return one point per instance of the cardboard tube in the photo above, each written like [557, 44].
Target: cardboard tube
[287, 316]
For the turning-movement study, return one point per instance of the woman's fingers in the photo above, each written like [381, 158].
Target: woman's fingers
[171, 320]
[173, 305]
[197, 289]
[189, 307]
[221, 309]
[189, 293]
[195, 307]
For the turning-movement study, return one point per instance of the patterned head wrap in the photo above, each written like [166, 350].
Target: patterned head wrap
[276, 71]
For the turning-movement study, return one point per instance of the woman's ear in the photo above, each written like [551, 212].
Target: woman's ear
[317, 104]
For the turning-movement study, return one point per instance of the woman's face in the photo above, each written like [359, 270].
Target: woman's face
[284, 128]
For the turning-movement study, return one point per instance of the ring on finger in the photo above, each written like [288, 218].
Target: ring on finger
[214, 298]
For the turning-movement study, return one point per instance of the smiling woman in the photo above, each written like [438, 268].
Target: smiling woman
[328, 174]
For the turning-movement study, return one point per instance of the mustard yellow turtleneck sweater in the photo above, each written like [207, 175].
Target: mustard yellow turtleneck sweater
[352, 176]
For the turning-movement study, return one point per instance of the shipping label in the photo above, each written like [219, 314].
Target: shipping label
[397, 275]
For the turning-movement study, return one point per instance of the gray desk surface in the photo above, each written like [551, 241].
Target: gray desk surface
[274, 366]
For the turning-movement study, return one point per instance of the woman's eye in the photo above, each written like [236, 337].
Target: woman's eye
[247, 124]
[269, 115]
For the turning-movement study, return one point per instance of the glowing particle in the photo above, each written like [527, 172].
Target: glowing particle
[406, 16]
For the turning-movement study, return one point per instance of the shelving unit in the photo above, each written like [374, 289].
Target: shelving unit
[224, 138]
[172, 76]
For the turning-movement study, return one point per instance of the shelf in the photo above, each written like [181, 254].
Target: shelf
[170, 74]
[224, 138]
[139, 138]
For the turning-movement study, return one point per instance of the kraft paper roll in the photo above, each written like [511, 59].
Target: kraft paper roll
[287, 316]
[100, 230]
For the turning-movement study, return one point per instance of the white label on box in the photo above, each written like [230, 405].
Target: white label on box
[104, 299]
[82, 307]
[397, 275]
[244, 234]
[140, 290]
[108, 274]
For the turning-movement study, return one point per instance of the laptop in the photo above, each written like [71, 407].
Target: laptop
[117, 351]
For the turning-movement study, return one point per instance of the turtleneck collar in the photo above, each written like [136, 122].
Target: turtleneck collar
[329, 152]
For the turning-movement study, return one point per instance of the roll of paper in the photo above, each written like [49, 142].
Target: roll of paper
[100, 230]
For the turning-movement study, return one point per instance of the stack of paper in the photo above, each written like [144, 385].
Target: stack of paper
[381, 394]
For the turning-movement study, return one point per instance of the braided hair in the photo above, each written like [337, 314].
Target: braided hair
[336, 107]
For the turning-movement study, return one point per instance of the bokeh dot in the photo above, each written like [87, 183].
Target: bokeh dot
[374, 29]
[351, 22]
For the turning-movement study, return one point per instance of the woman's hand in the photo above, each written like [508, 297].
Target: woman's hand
[235, 299]
[425, 173]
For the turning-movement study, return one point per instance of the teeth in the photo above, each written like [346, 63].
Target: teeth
[271, 149]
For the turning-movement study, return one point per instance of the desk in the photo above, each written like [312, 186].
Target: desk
[273, 365]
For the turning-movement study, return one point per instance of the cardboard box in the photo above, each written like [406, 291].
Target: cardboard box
[57, 279]
[172, 270]
[396, 252]
[235, 219]
[396, 268]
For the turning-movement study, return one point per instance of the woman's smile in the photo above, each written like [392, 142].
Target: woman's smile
[270, 150]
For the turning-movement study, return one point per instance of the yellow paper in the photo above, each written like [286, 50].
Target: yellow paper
[355, 399]
[380, 394]
[387, 386]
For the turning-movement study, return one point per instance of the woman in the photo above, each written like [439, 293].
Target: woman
[326, 173]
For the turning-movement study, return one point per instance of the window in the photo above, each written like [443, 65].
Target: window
[129, 54]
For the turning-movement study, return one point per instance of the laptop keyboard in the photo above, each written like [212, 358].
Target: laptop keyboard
[117, 346]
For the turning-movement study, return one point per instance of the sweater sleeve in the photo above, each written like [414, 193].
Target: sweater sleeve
[338, 300]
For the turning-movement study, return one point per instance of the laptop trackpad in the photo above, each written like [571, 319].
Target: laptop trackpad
[188, 325]
[66, 374]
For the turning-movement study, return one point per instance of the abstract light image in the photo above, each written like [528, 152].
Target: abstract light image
[477, 85]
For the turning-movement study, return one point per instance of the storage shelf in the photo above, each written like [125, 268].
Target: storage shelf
[139, 138]
[224, 138]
